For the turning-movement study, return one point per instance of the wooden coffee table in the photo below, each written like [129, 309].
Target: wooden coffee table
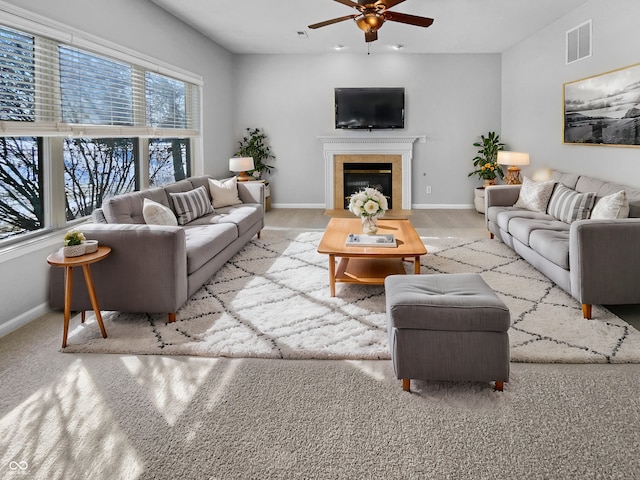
[369, 265]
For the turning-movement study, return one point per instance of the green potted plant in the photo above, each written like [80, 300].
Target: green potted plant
[485, 162]
[254, 145]
[73, 243]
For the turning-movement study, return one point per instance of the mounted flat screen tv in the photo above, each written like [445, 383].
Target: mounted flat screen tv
[369, 108]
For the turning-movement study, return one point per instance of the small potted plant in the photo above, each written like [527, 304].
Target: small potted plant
[486, 163]
[73, 243]
[253, 145]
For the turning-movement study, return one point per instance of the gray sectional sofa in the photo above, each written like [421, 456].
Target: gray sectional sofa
[597, 261]
[156, 268]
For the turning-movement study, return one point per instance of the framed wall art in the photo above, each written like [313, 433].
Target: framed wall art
[604, 109]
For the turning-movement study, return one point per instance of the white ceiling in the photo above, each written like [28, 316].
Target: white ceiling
[460, 26]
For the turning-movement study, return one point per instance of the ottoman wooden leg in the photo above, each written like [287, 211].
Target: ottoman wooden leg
[499, 386]
[406, 384]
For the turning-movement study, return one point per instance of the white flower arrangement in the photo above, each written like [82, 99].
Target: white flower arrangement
[368, 203]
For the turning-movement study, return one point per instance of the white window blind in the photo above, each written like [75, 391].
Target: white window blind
[50, 88]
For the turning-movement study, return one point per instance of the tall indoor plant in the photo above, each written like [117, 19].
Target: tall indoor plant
[254, 145]
[485, 162]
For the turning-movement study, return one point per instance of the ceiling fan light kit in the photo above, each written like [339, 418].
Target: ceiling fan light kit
[373, 15]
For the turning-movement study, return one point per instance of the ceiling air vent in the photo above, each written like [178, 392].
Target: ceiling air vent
[579, 42]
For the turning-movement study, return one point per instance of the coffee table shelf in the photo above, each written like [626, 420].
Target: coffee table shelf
[369, 265]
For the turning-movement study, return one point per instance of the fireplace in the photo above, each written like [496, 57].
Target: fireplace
[357, 176]
[367, 149]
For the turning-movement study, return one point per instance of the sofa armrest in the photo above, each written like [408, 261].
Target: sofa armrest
[603, 257]
[501, 195]
[145, 272]
[252, 192]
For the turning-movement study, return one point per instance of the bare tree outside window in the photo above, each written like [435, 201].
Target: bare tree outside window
[95, 169]
[168, 160]
[21, 204]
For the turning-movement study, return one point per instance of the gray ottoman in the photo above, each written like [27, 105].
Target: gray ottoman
[447, 327]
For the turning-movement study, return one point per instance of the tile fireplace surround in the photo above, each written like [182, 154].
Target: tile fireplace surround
[339, 150]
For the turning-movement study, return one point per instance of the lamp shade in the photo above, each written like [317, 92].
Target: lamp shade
[241, 164]
[513, 158]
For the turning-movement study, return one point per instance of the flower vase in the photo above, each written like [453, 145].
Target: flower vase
[489, 182]
[369, 224]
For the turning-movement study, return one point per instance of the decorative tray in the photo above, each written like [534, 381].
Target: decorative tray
[363, 240]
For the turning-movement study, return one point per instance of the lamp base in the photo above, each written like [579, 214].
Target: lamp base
[513, 176]
[243, 177]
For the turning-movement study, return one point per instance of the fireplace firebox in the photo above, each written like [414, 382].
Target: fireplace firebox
[358, 176]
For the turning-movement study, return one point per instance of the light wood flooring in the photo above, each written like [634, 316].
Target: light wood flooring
[430, 222]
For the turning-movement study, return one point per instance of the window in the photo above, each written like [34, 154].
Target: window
[21, 203]
[168, 160]
[96, 168]
[97, 117]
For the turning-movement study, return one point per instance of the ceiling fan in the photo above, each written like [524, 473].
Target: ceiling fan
[372, 14]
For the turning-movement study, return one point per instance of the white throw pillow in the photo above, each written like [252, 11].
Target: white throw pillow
[535, 195]
[224, 193]
[612, 206]
[155, 213]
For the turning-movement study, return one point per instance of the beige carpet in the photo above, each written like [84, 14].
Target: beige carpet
[272, 301]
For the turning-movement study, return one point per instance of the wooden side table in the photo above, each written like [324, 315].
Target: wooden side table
[57, 259]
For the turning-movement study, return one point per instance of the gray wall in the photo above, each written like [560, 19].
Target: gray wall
[533, 74]
[145, 28]
[451, 99]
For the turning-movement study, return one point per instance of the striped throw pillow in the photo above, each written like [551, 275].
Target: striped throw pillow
[191, 205]
[568, 205]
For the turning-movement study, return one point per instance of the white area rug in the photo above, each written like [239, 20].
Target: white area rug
[272, 301]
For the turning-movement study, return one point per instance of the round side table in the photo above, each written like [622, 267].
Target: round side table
[57, 259]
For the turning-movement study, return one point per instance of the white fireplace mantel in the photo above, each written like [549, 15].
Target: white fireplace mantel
[370, 145]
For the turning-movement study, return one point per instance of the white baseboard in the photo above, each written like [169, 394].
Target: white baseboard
[21, 320]
[443, 206]
[417, 206]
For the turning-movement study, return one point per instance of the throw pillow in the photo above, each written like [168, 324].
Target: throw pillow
[534, 195]
[567, 205]
[612, 206]
[155, 213]
[224, 193]
[191, 205]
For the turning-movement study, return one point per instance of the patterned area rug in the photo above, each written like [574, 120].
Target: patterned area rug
[272, 301]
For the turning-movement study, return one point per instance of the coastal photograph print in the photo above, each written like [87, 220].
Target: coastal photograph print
[604, 109]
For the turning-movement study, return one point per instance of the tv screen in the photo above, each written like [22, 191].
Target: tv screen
[369, 108]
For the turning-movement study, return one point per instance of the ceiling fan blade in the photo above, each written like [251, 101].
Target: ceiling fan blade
[409, 19]
[370, 36]
[330, 22]
[349, 3]
[389, 3]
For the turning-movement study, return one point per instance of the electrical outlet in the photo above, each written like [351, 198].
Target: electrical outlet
[429, 189]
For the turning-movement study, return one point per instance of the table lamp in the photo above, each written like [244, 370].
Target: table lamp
[241, 165]
[513, 159]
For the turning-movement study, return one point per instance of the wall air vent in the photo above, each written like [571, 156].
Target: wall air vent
[579, 42]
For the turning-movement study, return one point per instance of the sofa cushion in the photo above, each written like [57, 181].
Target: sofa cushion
[611, 207]
[535, 196]
[503, 215]
[205, 242]
[127, 207]
[568, 205]
[155, 213]
[522, 228]
[191, 205]
[244, 216]
[568, 179]
[552, 245]
[224, 193]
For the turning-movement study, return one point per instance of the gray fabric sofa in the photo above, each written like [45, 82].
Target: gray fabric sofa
[156, 268]
[595, 261]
